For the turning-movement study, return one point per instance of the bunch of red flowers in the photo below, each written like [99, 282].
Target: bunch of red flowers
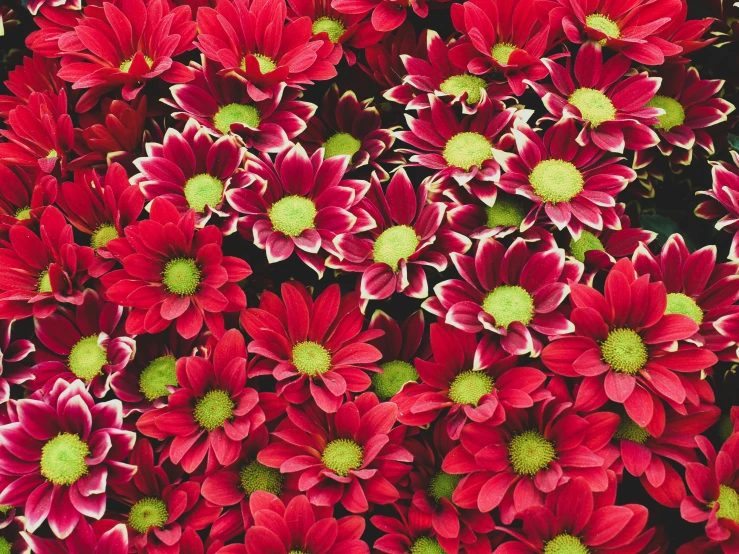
[353, 276]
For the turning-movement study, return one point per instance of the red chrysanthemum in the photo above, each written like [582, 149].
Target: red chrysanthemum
[63, 450]
[687, 34]
[35, 74]
[23, 196]
[14, 368]
[53, 23]
[724, 202]
[104, 537]
[171, 271]
[514, 292]
[34, 5]
[384, 59]
[353, 456]
[628, 350]
[387, 15]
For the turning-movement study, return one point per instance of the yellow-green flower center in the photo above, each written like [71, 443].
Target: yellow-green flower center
[311, 358]
[5, 546]
[341, 144]
[157, 376]
[724, 428]
[214, 409]
[148, 513]
[508, 211]
[297, 552]
[565, 544]
[44, 282]
[342, 455]
[508, 304]
[63, 459]
[257, 477]
[266, 64]
[674, 112]
[5, 509]
[394, 375]
[52, 154]
[23, 213]
[427, 545]
[679, 303]
[126, 65]
[465, 150]
[604, 24]
[333, 27]
[181, 276]
[395, 244]
[594, 106]
[469, 386]
[103, 235]
[625, 351]
[556, 181]
[203, 190]
[292, 215]
[501, 53]
[236, 113]
[628, 429]
[728, 503]
[443, 485]
[530, 452]
[87, 358]
[457, 85]
[587, 242]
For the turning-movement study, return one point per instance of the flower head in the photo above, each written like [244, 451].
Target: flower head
[721, 204]
[387, 15]
[14, 368]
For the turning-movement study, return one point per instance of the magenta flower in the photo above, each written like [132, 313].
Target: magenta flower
[723, 203]
[14, 368]
[387, 15]
[384, 59]
[35, 74]
[23, 196]
[34, 5]
[104, 537]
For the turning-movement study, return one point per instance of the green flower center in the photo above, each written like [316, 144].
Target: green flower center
[203, 190]
[52, 154]
[565, 544]
[395, 244]
[394, 375]
[87, 358]
[258, 477]
[502, 52]
[292, 215]
[625, 351]
[5, 546]
[469, 386]
[44, 282]
[724, 428]
[679, 303]
[297, 552]
[728, 501]
[604, 24]
[556, 181]
[157, 376]
[103, 235]
[126, 65]
[587, 242]
[465, 150]
[508, 211]
[457, 85]
[63, 459]
[5, 509]
[311, 358]
[266, 64]
[594, 106]
[443, 485]
[427, 545]
[181, 276]
[508, 304]
[235, 113]
[23, 213]
[333, 27]
[628, 429]
[214, 409]
[341, 455]
[341, 144]
[674, 112]
[148, 513]
[530, 452]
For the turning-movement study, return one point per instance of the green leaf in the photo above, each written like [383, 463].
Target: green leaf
[664, 227]
[734, 142]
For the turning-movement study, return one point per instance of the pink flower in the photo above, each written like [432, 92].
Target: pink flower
[722, 203]
[14, 368]
[387, 15]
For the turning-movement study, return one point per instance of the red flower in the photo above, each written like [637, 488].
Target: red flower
[384, 59]
[613, 110]
[171, 271]
[387, 15]
[474, 380]
[722, 200]
[34, 5]
[104, 537]
[62, 450]
[685, 34]
[353, 456]
[514, 292]
[126, 44]
[13, 369]
[211, 412]
[24, 196]
[313, 348]
[627, 349]
[35, 74]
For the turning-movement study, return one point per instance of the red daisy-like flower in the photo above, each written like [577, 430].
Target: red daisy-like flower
[409, 235]
[628, 28]
[23, 196]
[52, 23]
[384, 59]
[62, 450]
[628, 350]
[502, 35]
[299, 204]
[126, 44]
[193, 172]
[346, 127]
[37, 274]
[724, 200]
[171, 271]
[34, 74]
[211, 412]
[13, 369]
[614, 111]
[313, 348]
[515, 465]
[223, 105]
[104, 537]
[89, 343]
[467, 379]
[387, 15]
[574, 185]
[514, 292]
[34, 5]
[575, 520]
[353, 456]
[253, 41]
[687, 34]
